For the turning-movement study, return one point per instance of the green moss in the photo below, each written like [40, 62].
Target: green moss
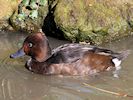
[30, 20]
[94, 21]
[131, 23]
[25, 2]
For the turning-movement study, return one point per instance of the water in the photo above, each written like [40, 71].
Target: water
[17, 83]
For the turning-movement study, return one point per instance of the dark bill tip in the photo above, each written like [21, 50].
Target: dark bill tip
[19, 53]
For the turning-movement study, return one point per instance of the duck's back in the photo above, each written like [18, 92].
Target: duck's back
[69, 53]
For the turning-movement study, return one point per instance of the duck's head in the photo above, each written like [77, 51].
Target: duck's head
[36, 46]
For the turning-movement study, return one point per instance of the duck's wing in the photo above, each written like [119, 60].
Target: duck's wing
[72, 52]
[68, 53]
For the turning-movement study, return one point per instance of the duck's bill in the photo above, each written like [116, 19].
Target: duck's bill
[19, 53]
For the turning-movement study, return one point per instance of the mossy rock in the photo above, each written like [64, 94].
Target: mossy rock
[27, 19]
[7, 8]
[94, 21]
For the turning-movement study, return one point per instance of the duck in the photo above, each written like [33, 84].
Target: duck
[68, 59]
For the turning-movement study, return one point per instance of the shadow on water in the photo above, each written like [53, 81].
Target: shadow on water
[17, 83]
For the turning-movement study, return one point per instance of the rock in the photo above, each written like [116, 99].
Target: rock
[7, 8]
[91, 21]
[30, 15]
[94, 21]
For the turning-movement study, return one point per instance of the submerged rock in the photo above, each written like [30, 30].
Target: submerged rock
[94, 21]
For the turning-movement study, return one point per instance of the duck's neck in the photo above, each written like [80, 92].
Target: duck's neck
[48, 51]
[45, 52]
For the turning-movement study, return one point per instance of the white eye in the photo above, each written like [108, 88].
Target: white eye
[30, 45]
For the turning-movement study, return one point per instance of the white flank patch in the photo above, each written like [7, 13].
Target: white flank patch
[116, 61]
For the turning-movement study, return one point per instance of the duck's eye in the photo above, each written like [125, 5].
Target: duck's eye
[30, 45]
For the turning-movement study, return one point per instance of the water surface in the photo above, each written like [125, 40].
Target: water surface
[17, 83]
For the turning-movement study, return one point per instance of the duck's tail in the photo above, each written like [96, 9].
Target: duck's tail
[122, 55]
[117, 59]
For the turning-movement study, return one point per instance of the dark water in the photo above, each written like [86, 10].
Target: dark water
[17, 83]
